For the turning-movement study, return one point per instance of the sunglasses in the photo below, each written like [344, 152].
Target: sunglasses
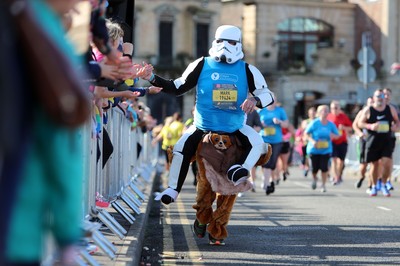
[231, 42]
[381, 96]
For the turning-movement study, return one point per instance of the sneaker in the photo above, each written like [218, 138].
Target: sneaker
[237, 174]
[215, 242]
[91, 249]
[253, 189]
[101, 201]
[385, 191]
[358, 184]
[285, 174]
[323, 189]
[389, 185]
[368, 191]
[373, 192]
[240, 194]
[314, 184]
[270, 189]
[305, 173]
[379, 184]
[199, 229]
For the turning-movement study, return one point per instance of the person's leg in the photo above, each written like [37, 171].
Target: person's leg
[363, 170]
[386, 164]
[254, 144]
[315, 167]
[183, 152]
[335, 169]
[342, 156]
[266, 176]
[253, 177]
[285, 167]
[374, 171]
[324, 160]
[269, 184]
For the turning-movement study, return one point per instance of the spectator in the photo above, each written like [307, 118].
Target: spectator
[51, 170]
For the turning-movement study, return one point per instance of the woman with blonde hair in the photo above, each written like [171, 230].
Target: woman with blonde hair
[320, 133]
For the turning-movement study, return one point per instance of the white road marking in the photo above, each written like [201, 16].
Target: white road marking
[383, 208]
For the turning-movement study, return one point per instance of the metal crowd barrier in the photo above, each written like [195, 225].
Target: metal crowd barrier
[122, 180]
[352, 157]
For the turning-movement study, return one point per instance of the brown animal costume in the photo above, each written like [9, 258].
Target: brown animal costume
[215, 154]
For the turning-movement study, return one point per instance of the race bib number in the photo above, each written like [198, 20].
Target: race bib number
[269, 131]
[322, 144]
[383, 127]
[225, 96]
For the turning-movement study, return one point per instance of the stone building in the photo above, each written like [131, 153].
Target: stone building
[308, 50]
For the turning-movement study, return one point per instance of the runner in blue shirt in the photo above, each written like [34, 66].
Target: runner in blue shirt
[320, 133]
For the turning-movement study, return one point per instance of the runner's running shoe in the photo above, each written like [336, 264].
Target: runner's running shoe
[359, 182]
[199, 229]
[389, 185]
[215, 242]
[385, 191]
[314, 184]
[270, 189]
[373, 192]
[379, 184]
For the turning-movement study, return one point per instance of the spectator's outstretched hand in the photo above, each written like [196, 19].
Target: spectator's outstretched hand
[147, 71]
[154, 90]
[141, 71]
[125, 68]
[109, 71]
[130, 94]
[127, 48]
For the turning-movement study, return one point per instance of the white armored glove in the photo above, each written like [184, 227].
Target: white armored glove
[167, 196]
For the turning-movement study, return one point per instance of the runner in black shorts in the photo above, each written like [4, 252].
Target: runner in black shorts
[380, 120]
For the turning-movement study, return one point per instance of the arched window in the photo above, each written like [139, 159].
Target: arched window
[299, 38]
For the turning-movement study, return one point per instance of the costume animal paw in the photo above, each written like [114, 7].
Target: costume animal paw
[167, 196]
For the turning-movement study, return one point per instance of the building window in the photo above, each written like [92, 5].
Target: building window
[202, 39]
[298, 39]
[165, 43]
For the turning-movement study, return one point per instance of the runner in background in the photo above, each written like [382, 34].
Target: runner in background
[388, 97]
[361, 135]
[311, 112]
[339, 151]
[320, 133]
[379, 120]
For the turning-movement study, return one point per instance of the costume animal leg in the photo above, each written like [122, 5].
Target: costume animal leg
[205, 196]
[221, 215]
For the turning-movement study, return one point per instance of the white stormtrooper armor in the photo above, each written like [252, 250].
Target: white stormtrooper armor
[227, 46]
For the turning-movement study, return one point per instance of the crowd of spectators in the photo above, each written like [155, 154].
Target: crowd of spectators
[70, 48]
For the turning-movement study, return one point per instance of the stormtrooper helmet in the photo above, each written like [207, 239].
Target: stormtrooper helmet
[227, 46]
